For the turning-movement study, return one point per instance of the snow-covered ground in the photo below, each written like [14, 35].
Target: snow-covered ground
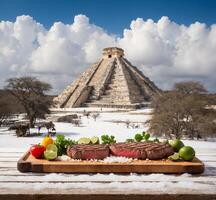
[108, 122]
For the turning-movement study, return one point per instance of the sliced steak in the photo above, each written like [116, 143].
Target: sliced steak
[142, 150]
[87, 152]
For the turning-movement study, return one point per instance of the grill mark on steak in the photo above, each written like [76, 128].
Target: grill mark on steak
[87, 152]
[142, 150]
[139, 150]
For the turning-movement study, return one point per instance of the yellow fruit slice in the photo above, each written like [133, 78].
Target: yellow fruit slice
[46, 141]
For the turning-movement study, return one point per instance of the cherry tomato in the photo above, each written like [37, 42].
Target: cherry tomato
[37, 150]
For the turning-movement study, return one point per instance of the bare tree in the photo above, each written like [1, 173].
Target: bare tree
[127, 122]
[5, 110]
[86, 113]
[95, 116]
[30, 92]
[190, 87]
[76, 122]
[183, 112]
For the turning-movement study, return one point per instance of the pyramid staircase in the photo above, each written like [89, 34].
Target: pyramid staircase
[121, 89]
[111, 82]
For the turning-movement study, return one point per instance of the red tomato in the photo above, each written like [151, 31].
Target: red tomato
[37, 150]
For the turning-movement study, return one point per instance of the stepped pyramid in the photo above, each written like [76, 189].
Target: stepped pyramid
[111, 82]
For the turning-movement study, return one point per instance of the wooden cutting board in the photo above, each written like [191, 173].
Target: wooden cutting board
[30, 164]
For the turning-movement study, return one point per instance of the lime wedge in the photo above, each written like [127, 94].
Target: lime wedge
[50, 155]
[84, 141]
[95, 140]
[51, 147]
[174, 157]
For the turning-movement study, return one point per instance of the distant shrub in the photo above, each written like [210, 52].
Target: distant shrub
[184, 112]
[86, 114]
[76, 122]
[22, 130]
[67, 118]
[133, 125]
[95, 116]
[127, 122]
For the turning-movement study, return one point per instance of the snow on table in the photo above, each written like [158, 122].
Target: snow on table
[12, 182]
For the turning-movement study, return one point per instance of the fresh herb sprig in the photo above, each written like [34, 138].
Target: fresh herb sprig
[142, 136]
[62, 144]
[106, 139]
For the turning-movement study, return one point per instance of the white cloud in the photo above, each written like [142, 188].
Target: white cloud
[169, 52]
[165, 51]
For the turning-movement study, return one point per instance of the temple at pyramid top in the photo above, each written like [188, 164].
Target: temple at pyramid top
[110, 82]
[113, 52]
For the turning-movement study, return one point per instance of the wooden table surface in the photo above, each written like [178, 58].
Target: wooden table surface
[16, 185]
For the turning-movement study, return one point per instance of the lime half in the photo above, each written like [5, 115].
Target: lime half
[51, 147]
[84, 141]
[95, 140]
[50, 155]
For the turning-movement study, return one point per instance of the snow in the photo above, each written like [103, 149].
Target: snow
[89, 109]
[106, 123]
[135, 187]
[89, 127]
[111, 121]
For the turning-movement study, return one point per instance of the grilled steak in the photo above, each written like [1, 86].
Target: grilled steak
[142, 150]
[139, 150]
[87, 152]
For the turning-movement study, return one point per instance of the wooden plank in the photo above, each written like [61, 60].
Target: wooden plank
[15, 159]
[106, 178]
[210, 164]
[12, 150]
[207, 158]
[13, 164]
[122, 196]
[206, 154]
[15, 172]
[29, 163]
[207, 150]
[153, 188]
[11, 154]
[209, 171]
[9, 159]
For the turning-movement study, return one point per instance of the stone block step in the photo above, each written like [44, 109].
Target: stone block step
[126, 106]
[123, 87]
[122, 91]
[137, 100]
[111, 99]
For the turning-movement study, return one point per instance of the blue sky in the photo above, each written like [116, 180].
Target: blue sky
[112, 15]
[56, 40]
